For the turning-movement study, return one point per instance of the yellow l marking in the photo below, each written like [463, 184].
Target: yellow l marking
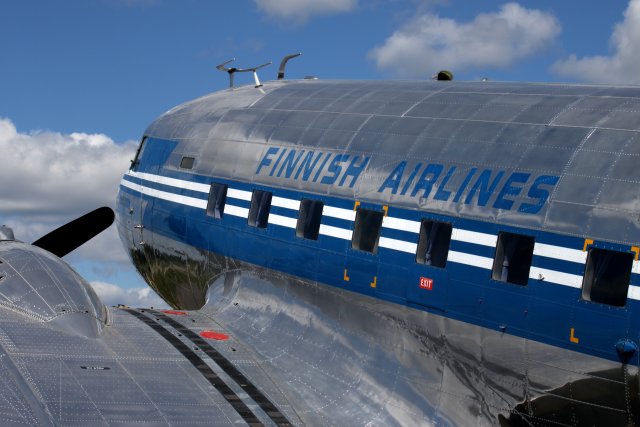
[587, 242]
[572, 337]
[375, 282]
[345, 277]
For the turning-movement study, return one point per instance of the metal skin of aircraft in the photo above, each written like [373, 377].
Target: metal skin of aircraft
[351, 253]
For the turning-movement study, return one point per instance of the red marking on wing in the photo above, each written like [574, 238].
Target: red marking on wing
[214, 335]
[175, 313]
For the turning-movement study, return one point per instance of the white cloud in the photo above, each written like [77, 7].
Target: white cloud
[52, 173]
[430, 43]
[301, 10]
[49, 179]
[136, 297]
[621, 66]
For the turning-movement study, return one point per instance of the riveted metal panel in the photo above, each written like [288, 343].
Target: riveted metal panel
[567, 131]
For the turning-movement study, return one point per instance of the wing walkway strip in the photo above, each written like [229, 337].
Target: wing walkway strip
[247, 415]
[265, 404]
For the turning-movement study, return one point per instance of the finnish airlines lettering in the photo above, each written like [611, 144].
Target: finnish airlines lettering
[482, 187]
[477, 187]
[327, 168]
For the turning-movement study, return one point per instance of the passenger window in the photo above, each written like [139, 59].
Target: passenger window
[606, 277]
[308, 225]
[217, 200]
[187, 163]
[367, 230]
[136, 159]
[512, 263]
[433, 246]
[259, 210]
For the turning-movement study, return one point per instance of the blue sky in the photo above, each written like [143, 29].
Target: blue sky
[81, 79]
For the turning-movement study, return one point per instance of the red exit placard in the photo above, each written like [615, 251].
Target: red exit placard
[426, 283]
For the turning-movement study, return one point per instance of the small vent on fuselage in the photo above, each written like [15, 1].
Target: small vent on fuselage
[187, 162]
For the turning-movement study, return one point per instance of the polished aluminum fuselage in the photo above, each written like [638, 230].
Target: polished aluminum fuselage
[361, 348]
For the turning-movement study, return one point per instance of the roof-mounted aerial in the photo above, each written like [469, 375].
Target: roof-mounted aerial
[231, 71]
[283, 64]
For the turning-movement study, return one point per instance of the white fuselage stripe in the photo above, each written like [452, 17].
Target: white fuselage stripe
[172, 182]
[171, 197]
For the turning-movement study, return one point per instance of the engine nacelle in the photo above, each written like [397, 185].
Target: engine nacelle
[44, 288]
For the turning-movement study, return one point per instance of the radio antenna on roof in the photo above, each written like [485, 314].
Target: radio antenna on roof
[283, 64]
[231, 71]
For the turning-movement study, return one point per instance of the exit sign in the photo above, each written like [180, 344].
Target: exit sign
[426, 283]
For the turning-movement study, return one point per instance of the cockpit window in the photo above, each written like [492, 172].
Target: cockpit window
[136, 159]
[367, 230]
[259, 210]
[606, 277]
[514, 254]
[187, 163]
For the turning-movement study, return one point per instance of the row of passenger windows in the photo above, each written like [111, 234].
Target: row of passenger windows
[606, 278]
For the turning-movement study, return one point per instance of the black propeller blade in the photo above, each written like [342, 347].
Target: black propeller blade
[74, 234]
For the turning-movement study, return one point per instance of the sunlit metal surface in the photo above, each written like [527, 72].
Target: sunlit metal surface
[341, 358]
[265, 347]
[57, 370]
[36, 284]
[538, 128]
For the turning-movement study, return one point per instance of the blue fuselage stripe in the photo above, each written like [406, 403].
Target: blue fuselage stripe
[465, 290]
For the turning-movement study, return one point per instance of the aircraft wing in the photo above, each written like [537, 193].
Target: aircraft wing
[66, 359]
[146, 367]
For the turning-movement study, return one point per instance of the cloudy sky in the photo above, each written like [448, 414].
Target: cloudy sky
[81, 79]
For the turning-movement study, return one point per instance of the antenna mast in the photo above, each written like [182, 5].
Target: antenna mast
[283, 64]
[232, 70]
